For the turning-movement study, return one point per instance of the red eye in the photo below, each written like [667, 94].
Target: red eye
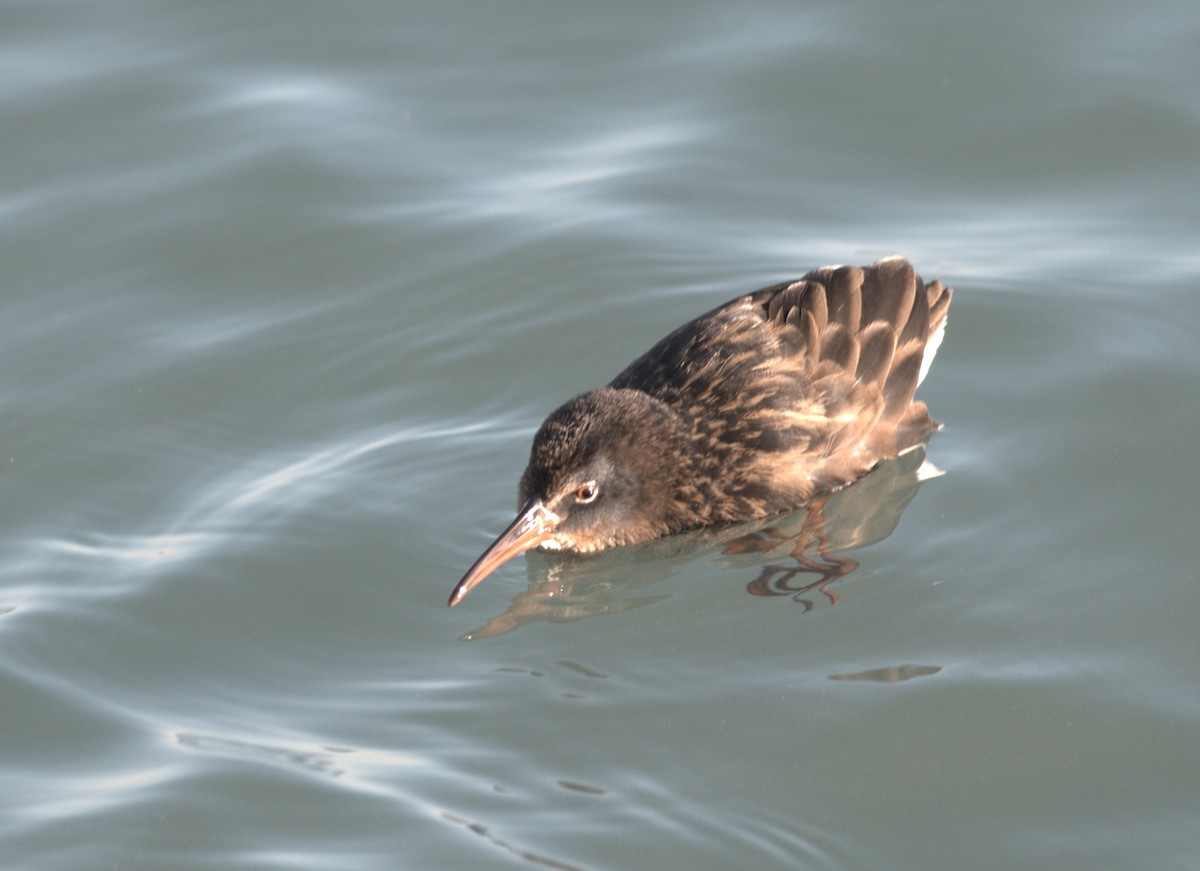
[587, 493]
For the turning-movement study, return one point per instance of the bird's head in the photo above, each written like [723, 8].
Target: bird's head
[603, 472]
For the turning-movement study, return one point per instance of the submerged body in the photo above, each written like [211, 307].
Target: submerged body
[750, 410]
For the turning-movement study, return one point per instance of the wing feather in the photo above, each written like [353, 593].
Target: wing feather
[816, 376]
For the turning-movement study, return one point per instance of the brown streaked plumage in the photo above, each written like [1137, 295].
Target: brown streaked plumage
[750, 410]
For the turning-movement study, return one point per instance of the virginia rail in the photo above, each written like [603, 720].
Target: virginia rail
[750, 410]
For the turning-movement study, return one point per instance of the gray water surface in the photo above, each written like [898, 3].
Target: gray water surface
[288, 288]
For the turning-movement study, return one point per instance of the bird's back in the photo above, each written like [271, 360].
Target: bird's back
[803, 386]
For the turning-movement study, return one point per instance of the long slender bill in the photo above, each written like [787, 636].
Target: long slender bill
[534, 524]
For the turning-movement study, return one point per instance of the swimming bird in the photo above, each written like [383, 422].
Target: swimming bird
[753, 409]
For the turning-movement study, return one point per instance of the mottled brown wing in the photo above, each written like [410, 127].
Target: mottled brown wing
[818, 372]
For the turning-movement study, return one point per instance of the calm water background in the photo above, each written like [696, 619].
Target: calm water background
[287, 288]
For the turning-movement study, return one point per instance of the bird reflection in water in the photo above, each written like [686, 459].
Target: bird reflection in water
[790, 555]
